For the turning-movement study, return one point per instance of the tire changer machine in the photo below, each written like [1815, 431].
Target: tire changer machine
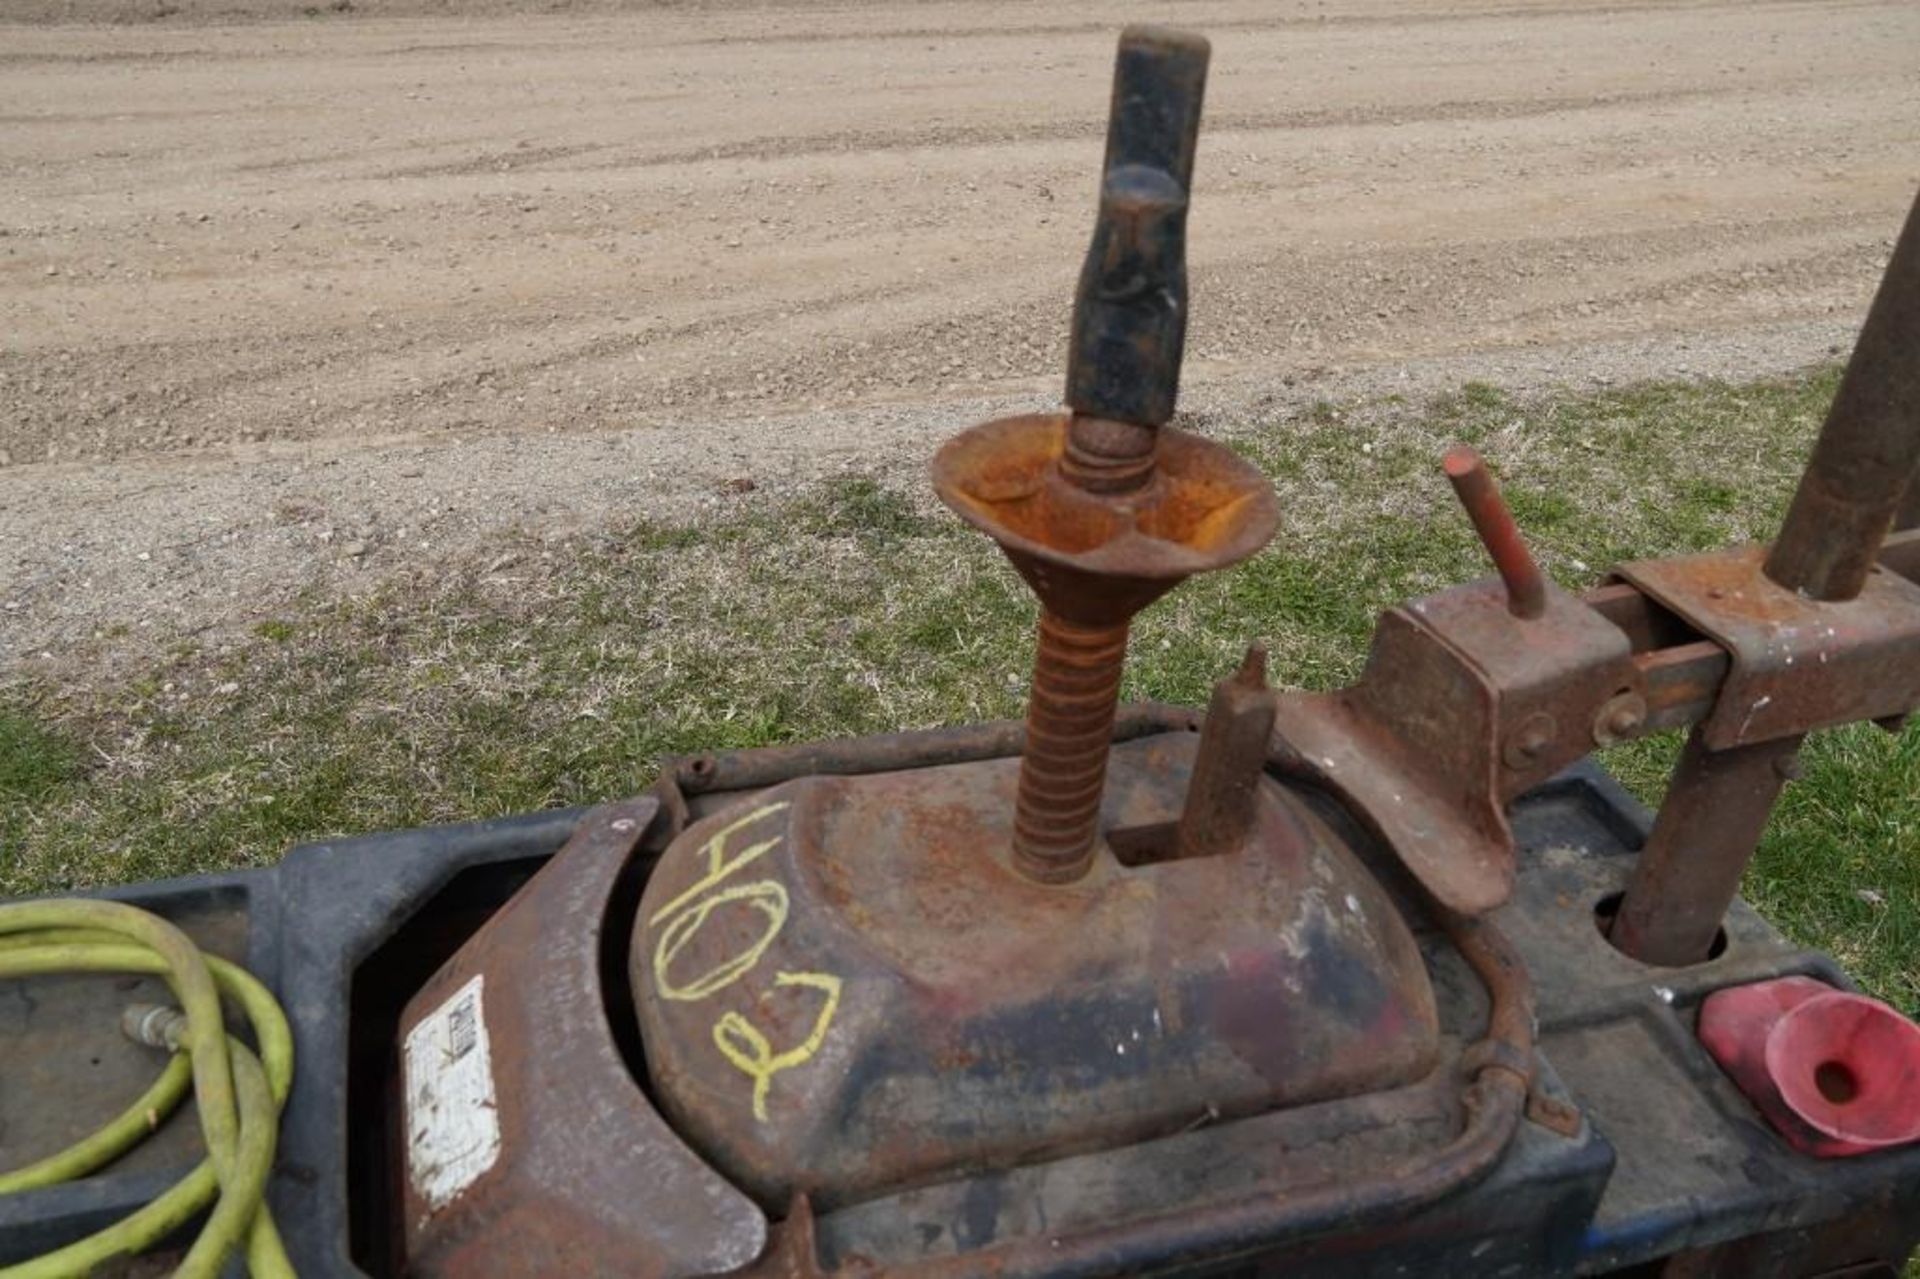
[1379, 982]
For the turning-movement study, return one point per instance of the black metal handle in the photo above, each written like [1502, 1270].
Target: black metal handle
[1130, 314]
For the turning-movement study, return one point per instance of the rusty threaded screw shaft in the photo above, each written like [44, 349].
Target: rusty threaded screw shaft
[1063, 771]
[1123, 373]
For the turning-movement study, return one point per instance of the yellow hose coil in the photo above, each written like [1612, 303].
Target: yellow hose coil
[238, 1095]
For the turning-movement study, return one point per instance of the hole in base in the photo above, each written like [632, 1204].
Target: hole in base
[1608, 907]
[1836, 1082]
[1145, 845]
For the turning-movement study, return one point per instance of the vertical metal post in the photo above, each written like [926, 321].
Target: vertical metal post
[1688, 874]
[1859, 479]
[1869, 450]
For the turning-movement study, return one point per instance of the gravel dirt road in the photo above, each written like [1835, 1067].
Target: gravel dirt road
[294, 301]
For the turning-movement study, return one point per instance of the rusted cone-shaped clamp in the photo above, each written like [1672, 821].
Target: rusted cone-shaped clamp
[1103, 509]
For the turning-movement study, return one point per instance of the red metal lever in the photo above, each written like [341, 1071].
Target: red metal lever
[1474, 485]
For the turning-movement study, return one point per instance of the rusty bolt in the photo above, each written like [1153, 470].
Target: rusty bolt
[1530, 741]
[1621, 717]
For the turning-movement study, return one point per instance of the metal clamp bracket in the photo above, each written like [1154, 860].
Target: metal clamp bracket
[1798, 663]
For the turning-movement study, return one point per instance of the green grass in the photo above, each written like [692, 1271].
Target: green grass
[34, 763]
[860, 606]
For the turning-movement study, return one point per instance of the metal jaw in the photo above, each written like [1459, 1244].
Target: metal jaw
[1474, 694]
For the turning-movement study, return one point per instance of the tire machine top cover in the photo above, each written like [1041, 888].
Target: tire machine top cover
[1376, 981]
[877, 981]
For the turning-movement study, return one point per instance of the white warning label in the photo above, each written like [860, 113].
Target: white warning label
[453, 1125]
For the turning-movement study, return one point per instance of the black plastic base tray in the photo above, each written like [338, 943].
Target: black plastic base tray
[1671, 1158]
[342, 933]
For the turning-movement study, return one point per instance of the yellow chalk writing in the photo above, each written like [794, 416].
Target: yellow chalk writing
[718, 866]
[768, 897]
[742, 1044]
[680, 921]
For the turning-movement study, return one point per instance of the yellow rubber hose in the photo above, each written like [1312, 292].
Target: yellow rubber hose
[237, 1094]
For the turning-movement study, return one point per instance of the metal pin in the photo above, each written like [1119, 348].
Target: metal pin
[1474, 485]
